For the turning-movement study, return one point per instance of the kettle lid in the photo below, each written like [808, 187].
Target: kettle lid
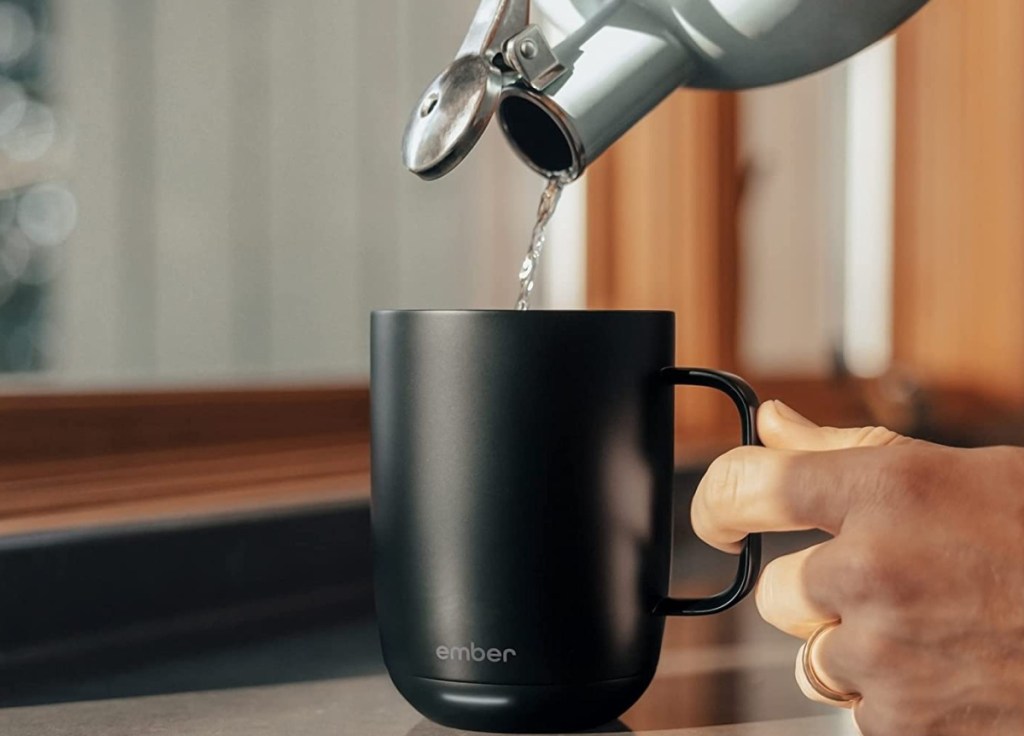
[500, 49]
[451, 116]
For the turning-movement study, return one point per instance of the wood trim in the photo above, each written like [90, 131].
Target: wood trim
[231, 501]
[47, 426]
[129, 457]
[143, 479]
[118, 457]
[662, 233]
[947, 414]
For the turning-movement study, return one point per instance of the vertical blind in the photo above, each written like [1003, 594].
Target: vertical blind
[242, 204]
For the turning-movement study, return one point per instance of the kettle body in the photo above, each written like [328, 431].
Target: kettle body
[568, 87]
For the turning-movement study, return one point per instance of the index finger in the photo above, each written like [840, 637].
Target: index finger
[756, 489]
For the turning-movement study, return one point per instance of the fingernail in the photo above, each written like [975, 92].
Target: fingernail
[790, 414]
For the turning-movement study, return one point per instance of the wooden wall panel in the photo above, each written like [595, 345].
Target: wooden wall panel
[69, 460]
[662, 233]
[959, 247]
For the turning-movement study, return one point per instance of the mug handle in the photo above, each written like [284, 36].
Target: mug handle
[746, 402]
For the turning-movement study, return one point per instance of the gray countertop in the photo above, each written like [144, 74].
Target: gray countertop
[367, 706]
[728, 675]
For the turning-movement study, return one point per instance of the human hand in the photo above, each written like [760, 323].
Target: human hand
[925, 570]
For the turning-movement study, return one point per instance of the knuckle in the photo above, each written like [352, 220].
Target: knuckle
[865, 572]
[876, 654]
[877, 437]
[726, 478]
[907, 474]
[871, 576]
[716, 507]
[823, 569]
[822, 578]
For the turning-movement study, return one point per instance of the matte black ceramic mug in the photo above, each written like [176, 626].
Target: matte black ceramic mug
[522, 510]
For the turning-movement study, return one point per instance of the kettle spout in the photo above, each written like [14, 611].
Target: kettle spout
[624, 62]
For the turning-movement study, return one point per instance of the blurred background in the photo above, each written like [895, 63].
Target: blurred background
[219, 187]
[202, 200]
[201, 194]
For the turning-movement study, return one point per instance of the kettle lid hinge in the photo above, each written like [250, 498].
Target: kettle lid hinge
[530, 54]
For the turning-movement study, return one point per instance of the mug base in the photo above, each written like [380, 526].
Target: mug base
[494, 708]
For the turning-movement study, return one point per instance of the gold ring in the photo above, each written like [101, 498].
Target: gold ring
[811, 674]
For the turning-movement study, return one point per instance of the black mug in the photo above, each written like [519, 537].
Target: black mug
[522, 510]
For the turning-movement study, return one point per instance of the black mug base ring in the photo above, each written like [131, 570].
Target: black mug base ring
[472, 706]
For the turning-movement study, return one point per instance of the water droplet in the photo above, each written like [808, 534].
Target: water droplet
[526, 269]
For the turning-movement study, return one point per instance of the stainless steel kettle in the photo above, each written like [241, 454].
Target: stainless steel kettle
[561, 105]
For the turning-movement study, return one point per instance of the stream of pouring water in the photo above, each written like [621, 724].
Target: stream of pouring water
[545, 210]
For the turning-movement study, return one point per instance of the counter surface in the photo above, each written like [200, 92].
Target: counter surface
[367, 706]
[728, 675]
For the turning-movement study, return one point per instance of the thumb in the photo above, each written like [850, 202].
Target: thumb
[783, 428]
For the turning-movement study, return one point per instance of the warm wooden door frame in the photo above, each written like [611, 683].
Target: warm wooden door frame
[959, 245]
[661, 228]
